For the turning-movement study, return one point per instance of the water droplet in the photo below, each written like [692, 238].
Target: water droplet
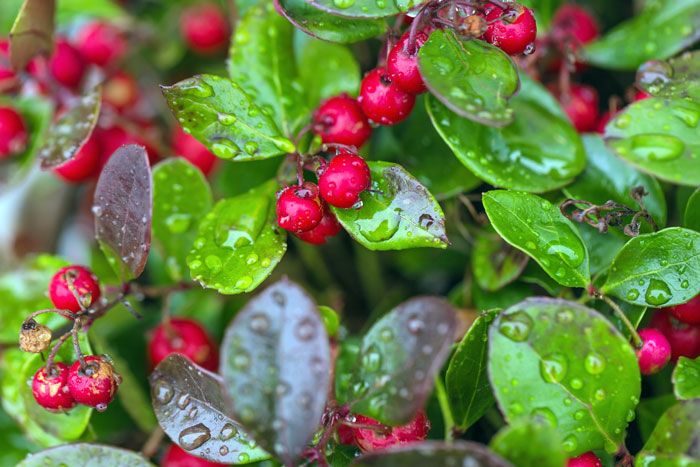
[546, 415]
[251, 147]
[163, 392]
[244, 282]
[657, 293]
[553, 367]
[599, 394]
[223, 450]
[579, 414]
[214, 264]
[565, 316]
[570, 443]
[633, 294]
[259, 323]
[194, 436]
[576, 383]
[653, 147]
[243, 458]
[415, 325]
[241, 360]
[386, 334]
[228, 432]
[183, 401]
[251, 259]
[516, 408]
[516, 326]
[305, 329]
[196, 88]
[372, 359]
[225, 149]
[379, 228]
[178, 223]
[594, 363]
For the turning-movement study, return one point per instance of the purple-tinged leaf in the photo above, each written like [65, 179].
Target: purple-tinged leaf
[123, 208]
[84, 454]
[463, 453]
[32, 32]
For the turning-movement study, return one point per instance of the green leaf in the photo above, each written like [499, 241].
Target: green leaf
[692, 212]
[466, 380]
[662, 29]
[239, 242]
[495, 263]
[660, 137]
[67, 10]
[530, 443]
[14, 443]
[339, 74]
[522, 156]
[348, 350]
[534, 274]
[260, 61]
[686, 379]
[323, 25]
[674, 441]
[678, 77]
[181, 197]
[634, 313]
[602, 248]
[404, 215]
[650, 410]
[585, 387]
[220, 114]
[507, 296]
[533, 225]
[657, 269]
[474, 79]
[433, 453]
[85, 455]
[32, 32]
[365, 8]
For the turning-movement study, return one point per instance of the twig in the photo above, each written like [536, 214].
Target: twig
[150, 447]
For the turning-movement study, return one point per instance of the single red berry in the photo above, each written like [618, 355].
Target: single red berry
[575, 24]
[688, 312]
[175, 456]
[369, 440]
[640, 96]
[654, 353]
[204, 28]
[96, 385]
[328, 227]
[51, 390]
[73, 278]
[101, 43]
[513, 30]
[603, 122]
[587, 459]
[13, 132]
[8, 77]
[382, 101]
[84, 164]
[341, 120]
[346, 435]
[342, 181]
[580, 105]
[114, 137]
[402, 62]
[66, 64]
[188, 147]
[120, 91]
[684, 338]
[299, 208]
[186, 337]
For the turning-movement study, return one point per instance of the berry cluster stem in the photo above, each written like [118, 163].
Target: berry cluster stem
[54, 351]
[633, 332]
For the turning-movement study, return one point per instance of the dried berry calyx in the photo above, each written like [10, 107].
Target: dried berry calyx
[34, 337]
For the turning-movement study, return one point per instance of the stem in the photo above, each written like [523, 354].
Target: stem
[150, 447]
[300, 170]
[54, 351]
[447, 416]
[635, 336]
[76, 345]
[156, 291]
[64, 313]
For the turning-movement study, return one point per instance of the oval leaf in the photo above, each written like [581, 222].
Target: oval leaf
[239, 242]
[220, 114]
[691, 219]
[678, 77]
[674, 441]
[686, 379]
[436, 453]
[586, 388]
[123, 208]
[399, 358]
[404, 215]
[495, 263]
[32, 32]
[657, 269]
[192, 410]
[530, 443]
[339, 74]
[533, 225]
[474, 79]
[85, 455]
[364, 8]
[276, 364]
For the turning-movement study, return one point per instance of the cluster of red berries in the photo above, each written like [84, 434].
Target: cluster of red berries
[587, 459]
[370, 440]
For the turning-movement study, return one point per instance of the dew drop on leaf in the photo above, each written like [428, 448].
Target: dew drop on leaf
[553, 367]
[163, 392]
[546, 415]
[194, 436]
[657, 293]
[516, 326]
[594, 363]
[227, 432]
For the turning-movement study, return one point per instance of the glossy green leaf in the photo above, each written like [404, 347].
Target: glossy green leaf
[678, 77]
[534, 274]
[674, 441]
[533, 225]
[585, 387]
[364, 8]
[495, 263]
[649, 412]
[507, 296]
[659, 136]
[339, 74]
[602, 248]
[657, 269]
[662, 29]
[15, 445]
[634, 313]
[32, 32]
[530, 443]
[399, 359]
[181, 198]
[435, 453]
[686, 379]
[220, 114]
[326, 26]
[239, 242]
[85, 455]
[404, 215]
[348, 350]
[522, 156]
[474, 79]
[466, 380]
[691, 219]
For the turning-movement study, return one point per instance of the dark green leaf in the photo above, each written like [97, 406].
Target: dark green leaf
[220, 114]
[674, 441]
[678, 77]
[342, 455]
[275, 363]
[192, 409]
[348, 350]
[339, 74]
[399, 358]
[507, 296]
[602, 248]
[495, 263]
[239, 242]
[404, 215]
[533, 225]
[85, 455]
[686, 379]
[365, 8]
[530, 443]
[434, 453]
[657, 269]
[181, 197]
[236, 179]
[474, 79]
[649, 411]
[32, 32]
[585, 386]
[692, 212]
[466, 380]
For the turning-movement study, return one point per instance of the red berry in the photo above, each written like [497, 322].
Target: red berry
[188, 147]
[84, 164]
[13, 132]
[684, 338]
[120, 91]
[299, 208]
[369, 440]
[114, 137]
[688, 312]
[341, 120]
[342, 181]
[580, 105]
[587, 459]
[175, 456]
[186, 337]
[73, 277]
[402, 66]
[640, 96]
[7, 76]
[602, 122]
[346, 435]
[66, 64]
[96, 385]
[101, 43]
[513, 33]
[328, 227]
[574, 23]
[382, 101]
[204, 28]
[654, 353]
[51, 391]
